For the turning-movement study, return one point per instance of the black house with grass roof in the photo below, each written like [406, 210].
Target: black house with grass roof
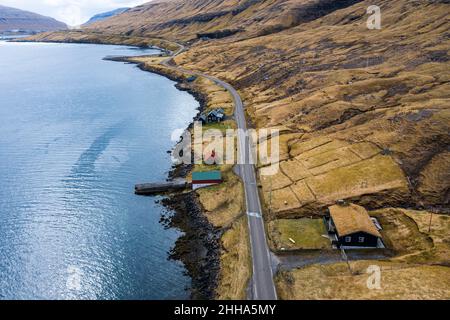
[351, 226]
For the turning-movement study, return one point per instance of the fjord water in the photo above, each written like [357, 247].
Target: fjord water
[76, 134]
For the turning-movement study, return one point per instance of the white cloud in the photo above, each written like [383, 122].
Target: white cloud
[72, 12]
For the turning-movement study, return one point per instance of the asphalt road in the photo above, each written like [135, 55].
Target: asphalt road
[262, 286]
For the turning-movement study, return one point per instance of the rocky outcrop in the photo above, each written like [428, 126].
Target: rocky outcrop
[199, 247]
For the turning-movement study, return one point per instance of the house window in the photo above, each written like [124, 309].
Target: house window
[348, 239]
[361, 239]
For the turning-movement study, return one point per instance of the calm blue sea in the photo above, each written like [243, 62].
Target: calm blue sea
[76, 134]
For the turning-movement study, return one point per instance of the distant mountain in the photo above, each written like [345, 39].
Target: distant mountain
[15, 20]
[105, 15]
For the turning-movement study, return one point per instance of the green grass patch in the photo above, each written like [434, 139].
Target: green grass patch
[206, 168]
[306, 233]
[222, 126]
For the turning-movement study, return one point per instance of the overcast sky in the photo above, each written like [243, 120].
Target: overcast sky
[72, 12]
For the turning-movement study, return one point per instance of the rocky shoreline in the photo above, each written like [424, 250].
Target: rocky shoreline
[199, 247]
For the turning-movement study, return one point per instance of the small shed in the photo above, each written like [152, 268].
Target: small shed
[353, 227]
[206, 179]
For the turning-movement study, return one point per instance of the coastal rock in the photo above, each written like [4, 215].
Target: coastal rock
[199, 247]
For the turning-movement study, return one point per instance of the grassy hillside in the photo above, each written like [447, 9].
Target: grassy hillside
[365, 112]
[12, 19]
[105, 15]
[189, 20]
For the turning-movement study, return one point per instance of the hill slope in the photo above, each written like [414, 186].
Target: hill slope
[366, 113]
[15, 19]
[187, 20]
[105, 15]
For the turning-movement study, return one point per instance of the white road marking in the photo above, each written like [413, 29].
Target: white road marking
[254, 214]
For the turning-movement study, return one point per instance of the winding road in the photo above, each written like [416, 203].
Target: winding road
[262, 285]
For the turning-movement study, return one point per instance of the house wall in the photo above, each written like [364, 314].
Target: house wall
[369, 240]
[196, 186]
[212, 118]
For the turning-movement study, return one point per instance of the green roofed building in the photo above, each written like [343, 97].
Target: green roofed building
[206, 179]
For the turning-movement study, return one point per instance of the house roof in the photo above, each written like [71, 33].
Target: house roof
[219, 113]
[350, 219]
[207, 176]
